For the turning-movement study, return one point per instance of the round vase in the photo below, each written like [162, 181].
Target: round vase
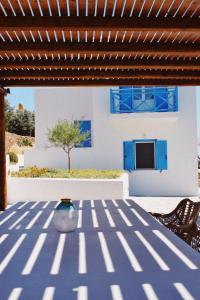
[65, 216]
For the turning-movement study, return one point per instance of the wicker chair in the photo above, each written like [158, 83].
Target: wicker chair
[194, 240]
[182, 220]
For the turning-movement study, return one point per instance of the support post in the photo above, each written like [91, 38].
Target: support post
[2, 152]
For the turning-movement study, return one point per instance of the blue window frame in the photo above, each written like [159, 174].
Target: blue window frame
[144, 154]
[85, 126]
[153, 153]
[126, 103]
[143, 99]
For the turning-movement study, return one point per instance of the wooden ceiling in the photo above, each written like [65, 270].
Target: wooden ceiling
[99, 42]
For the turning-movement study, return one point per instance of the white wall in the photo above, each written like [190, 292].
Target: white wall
[53, 189]
[55, 103]
[109, 132]
[181, 177]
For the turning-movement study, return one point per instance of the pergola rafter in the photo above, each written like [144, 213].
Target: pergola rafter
[102, 37]
[98, 48]
[98, 74]
[98, 82]
[138, 63]
[100, 23]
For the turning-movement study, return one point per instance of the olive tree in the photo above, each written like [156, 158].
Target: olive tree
[66, 135]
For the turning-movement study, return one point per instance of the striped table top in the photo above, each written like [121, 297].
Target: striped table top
[118, 252]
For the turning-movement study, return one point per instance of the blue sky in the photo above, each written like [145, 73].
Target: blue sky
[26, 97]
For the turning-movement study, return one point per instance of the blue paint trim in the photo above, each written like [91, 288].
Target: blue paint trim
[143, 99]
[129, 152]
[145, 141]
[176, 99]
[112, 110]
[85, 126]
[161, 155]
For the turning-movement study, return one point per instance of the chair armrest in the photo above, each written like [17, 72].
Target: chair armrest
[190, 228]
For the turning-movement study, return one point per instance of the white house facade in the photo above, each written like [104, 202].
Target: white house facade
[149, 132]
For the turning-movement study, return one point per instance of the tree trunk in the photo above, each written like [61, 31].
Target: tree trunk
[69, 162]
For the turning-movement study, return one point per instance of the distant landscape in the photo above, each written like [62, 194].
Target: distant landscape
[17, 143]
[20, 130]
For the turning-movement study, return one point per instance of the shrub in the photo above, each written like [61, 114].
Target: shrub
[31, 172]
[61, 173]
[37, 172]
[13, 157]
[26, 142]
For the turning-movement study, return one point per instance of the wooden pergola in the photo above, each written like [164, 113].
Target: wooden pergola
[96, 43]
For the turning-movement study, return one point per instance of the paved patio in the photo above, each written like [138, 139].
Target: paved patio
[118, 252]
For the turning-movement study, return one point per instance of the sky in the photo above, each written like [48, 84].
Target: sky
[25, 96]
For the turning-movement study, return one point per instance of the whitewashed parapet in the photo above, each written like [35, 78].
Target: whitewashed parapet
[52, 189]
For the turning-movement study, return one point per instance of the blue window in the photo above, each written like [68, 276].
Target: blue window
[126, 101]
[161, 99]
[143, 99]
[85, 126]
[145, 154]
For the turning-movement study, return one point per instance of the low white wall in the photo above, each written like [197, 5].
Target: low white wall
[52, 189]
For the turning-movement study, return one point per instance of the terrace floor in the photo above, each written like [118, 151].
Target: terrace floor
[118, 252]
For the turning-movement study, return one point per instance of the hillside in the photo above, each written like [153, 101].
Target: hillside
[17, 143]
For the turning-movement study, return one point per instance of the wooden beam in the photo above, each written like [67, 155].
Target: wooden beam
[2, 152]
[99, 23]
[76, 48]
[138, 63]
[101, 82]
[99, 74]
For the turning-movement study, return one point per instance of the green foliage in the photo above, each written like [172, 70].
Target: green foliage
[66, 135]
[13, 157]
[25, 142]
[61, 173]
[19, 121]
[9, 111]
[22, 123]
[31, 172]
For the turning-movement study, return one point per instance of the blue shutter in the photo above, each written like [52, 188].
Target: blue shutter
[161, 155]
[112, 103]
[129, 156]
[85, 126]
[125, 99]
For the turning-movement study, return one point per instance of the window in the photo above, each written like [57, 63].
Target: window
[145, 154]
[126, 99]
[143, 99]
[85, 126]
